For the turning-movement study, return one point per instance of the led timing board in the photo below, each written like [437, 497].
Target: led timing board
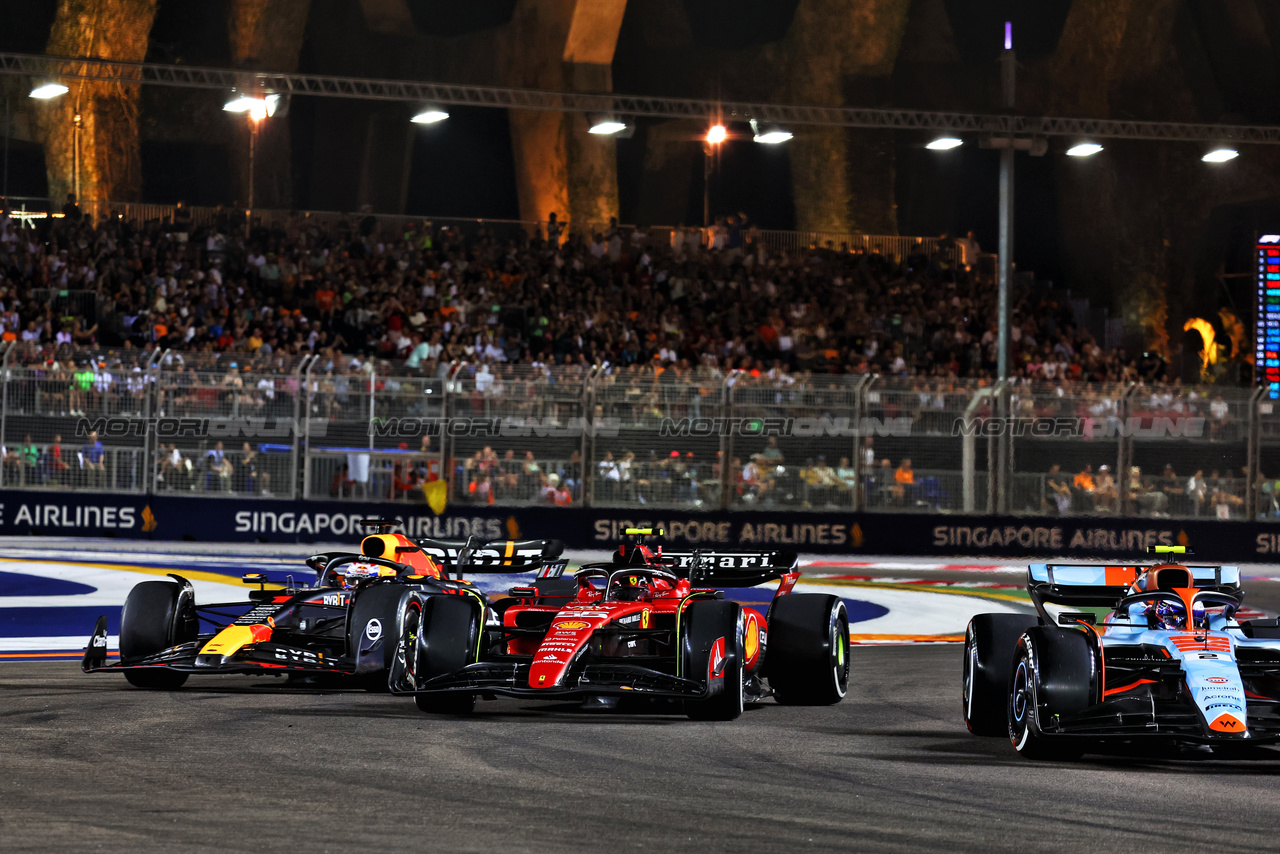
[1267, 326]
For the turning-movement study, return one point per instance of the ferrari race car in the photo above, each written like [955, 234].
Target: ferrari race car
[646, 624]
[1122, 653]
[343, 625]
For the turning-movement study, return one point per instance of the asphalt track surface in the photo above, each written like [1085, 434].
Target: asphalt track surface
[240, 764]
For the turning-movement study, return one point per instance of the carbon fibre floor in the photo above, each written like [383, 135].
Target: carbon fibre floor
[235, 764]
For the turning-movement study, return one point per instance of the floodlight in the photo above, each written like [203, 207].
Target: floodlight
[716, 134]
[1220, 155]
[945, 143]
[45, 91]
[769, 134]
[1084, 149]
[607, 125]
[429, 116]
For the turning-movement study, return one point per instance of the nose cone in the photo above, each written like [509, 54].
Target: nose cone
[1228, 724]
[559, 647]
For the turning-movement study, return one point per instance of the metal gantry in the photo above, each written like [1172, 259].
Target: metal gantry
[412, 91]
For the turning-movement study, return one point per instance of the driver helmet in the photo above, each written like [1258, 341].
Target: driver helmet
[1173, 615]
[631, 586]
[354, 573]
[1170, 615]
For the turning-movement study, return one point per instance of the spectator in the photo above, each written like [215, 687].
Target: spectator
[608, 476]
[904, 479]
[847, 476]
[1197, 492]
[868, 453]
[1059, 490]
[57, 467]
[218, 468]
[1105, 495]
[94, 461]
[1145, 498]
[1172, 489]
[30, 456]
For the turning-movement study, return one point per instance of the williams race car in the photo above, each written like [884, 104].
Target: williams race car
[647, 624]
[344, 625]
[1122, 653]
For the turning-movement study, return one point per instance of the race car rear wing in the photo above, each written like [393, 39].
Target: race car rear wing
[1090, 585]
[731, 568]
[475, 555]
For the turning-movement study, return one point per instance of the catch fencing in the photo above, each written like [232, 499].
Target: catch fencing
[674, 438]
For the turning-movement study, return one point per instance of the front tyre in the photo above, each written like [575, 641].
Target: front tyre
[448, 629]
[712, 649]
[989, 642]
[371, 639]
[1053, 678]
[156, 616]
[807, 658]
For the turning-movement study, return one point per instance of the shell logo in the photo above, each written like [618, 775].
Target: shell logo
[751, 643]
[572, 625]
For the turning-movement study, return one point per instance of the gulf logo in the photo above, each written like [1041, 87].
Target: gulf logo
[751, 643]
[572, 625]
[1217, 680]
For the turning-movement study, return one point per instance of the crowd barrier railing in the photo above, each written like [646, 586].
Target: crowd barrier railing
[235, 424]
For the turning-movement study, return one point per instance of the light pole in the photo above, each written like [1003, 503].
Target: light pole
[710, 147]
[1004, 446]
[259, 109]
[8, 131]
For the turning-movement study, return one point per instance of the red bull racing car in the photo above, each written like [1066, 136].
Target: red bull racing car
[646, 624]
[343, 625]
[1122, 653]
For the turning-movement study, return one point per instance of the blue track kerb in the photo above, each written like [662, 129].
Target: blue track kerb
[859, 611]
[21, 584]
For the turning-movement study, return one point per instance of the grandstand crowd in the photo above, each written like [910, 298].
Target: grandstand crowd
[429, 296]
[673, 314]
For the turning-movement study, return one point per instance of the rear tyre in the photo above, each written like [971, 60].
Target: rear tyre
[1053, 677]
[156, 616]
[712, 642]
[807, 658]
[989, 643]
[448, 631]
[371, 632]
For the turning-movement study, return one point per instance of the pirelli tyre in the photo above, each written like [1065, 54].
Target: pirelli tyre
[156, 616]
[711, 648]
[371, 632]
[443, 633]
[989, 642]
[1054, 676]
[807, 657]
